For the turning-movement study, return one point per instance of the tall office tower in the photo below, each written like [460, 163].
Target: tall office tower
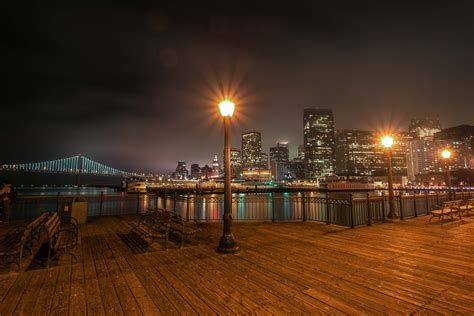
[181, 172]
[460, 139]
[301, 152]
[195, 171]
[424, 156]
[280, 153]
[341, 152]
[251, 150]
[359, 153]
[424, 128]
[319, 142]
[235, 162]
[262, 163]
[400, 152]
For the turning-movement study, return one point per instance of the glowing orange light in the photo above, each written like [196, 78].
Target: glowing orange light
[226, 107]
[387, 141]
[446, 154]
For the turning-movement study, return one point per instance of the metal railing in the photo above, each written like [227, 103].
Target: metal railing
[345, 210]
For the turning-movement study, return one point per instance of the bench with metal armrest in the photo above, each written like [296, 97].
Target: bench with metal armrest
[184, 229]
[467, 206]
[61, 240]
[448, 209]
[20, 238]
[154, 225]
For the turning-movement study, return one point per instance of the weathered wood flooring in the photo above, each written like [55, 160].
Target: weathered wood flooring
[284, 268]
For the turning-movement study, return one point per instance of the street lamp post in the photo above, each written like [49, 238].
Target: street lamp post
[446, 154]
[387, 142]
[227, 243]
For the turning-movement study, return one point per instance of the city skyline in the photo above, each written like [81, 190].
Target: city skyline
[136, 85]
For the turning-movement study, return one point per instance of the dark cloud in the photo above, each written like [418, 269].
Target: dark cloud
[133, 84]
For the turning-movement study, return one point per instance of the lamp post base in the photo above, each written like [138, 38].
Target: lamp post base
[392, 216]
[228, 245]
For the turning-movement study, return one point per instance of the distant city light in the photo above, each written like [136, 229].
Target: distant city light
[226, 107]
[387, 141]
[446, 154]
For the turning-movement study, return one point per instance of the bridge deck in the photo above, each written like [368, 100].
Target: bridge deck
[403, 267]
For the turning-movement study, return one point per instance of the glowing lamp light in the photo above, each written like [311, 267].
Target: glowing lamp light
[226, 107]
[446, 154]
[387, 141]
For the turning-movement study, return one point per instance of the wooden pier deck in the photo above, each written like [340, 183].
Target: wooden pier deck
[408, 267]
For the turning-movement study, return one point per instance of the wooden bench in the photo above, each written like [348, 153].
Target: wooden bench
[60, 240]
[20, 238]
[449, 208]
[467, 206]
[184, 229]
[154, 225]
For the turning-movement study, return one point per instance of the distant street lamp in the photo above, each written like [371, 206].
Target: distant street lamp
[446, 154]
[387, 142]
[227, 243]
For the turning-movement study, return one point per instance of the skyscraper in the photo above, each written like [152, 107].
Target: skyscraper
[251, 150]
[319, 142]
[280, 153]
[359, 153]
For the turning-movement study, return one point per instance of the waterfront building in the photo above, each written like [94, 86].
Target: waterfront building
[181, 173]
[359, 153]
[195, 171]
[280, 153]
[262, 163]
[400, 152]
[301, 152]
[257, 175]
[424, 128]
[235, 162]
[319, 142]
[424, 157]
[460, 140]
[251, 150]
[206, 172]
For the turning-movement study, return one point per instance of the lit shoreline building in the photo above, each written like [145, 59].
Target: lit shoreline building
[319, 142]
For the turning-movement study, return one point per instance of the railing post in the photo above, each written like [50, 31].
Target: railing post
[156, 201]
[352, 211]
[57, 202]
[369, 215]
[303, 206]
[383, 207]
[187, 207]
[327, 209]
[101, 203]
[427, 204]
[138, 202]
[414, 202]
[273, 207]
[164, 200]
[400, 196]
[174, 201]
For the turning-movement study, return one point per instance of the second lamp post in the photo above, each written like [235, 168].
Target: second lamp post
[227, 243]
[387, 142]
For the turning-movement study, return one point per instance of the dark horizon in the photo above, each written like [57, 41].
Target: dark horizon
[136, 86]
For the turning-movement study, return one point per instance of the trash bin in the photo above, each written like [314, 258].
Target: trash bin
[75, 207]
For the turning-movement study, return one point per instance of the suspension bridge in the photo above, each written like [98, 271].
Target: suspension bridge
[70, 165]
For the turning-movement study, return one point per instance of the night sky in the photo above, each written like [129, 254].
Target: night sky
[135, 85]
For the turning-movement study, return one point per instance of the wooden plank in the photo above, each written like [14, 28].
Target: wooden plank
[29, 298]
[46, 293]
[15, 293]
[60, 303]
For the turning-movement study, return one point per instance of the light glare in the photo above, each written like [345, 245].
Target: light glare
[226, 107]
[387, 141]
[446, 154]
